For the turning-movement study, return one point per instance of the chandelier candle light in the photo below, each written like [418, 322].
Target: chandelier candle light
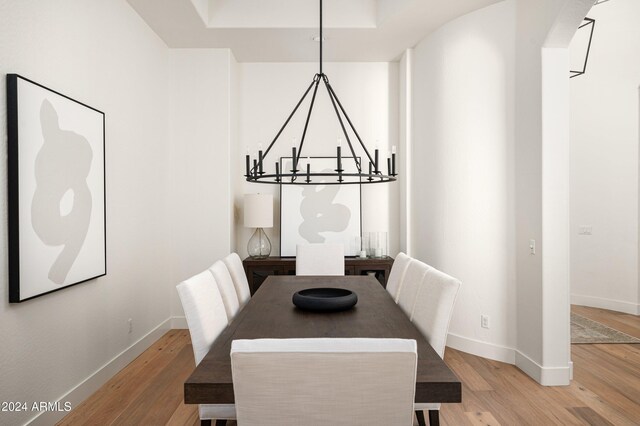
[255, 170]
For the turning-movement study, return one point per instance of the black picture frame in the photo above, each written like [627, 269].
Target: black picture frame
[24, 281]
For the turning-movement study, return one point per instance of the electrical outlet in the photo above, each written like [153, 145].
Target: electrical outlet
[130, 321]
[484, 321]
[585, 230]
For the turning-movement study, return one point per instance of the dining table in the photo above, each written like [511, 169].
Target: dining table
[270, 313]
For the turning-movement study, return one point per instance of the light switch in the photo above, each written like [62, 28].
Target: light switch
[532, 246]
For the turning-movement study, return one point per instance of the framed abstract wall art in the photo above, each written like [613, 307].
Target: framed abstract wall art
[56, 190]
[311, 214]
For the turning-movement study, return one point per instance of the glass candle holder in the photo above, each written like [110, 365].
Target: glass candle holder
[376, 244]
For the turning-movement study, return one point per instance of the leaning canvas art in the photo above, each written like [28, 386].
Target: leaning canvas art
[311, 214]
[56, 190]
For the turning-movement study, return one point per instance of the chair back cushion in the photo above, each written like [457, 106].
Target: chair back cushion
[396, 276]
[434, 306]
[227, 289]
[281, 382]
[410, 284]
[239, 277]
[204, 310]
[320, 259]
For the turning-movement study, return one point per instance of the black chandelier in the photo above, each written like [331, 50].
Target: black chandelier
[255, 168]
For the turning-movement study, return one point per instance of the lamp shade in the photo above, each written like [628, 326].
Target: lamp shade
[258, 210]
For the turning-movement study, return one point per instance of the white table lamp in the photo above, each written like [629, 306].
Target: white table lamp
[258, 213]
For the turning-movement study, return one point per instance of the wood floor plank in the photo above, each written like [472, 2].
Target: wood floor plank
[546, 406]
[610, 378]
[184, 415]
[590, 416]
[608, 391]
[586, 397]
[482, 418]
[627, 355]
[534, 407]
[156, 405]
[507, 395]
[605, 389]
[453, 415]
[466, 373]
[108, 402]
[629, 371]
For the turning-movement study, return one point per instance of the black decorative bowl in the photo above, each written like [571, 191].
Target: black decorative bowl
[325, 299]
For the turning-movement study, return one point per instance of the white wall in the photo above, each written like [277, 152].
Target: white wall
[112, 61]
[405, 115]
[199, 192]
[544, 29]
[235, 153]
[534, 20]
[268, 93]
[463, 176]
[169, 216]
[490, 136]
[604, 161]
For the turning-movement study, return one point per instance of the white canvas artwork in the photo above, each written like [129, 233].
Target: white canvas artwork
[56, 190]
[311, 214]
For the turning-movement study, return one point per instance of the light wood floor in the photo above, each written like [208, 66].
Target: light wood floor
[605, 389]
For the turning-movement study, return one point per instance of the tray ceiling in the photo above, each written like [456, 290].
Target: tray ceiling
[283, 30]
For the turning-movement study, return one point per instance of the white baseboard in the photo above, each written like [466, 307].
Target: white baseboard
[92, 383]
[546, 376]
[570, 370]
[179, 323]
[483, 349]
[602, 303]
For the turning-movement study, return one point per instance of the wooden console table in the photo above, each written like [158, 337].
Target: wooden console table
[259, 269]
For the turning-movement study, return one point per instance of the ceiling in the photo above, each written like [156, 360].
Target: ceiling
[283, 30]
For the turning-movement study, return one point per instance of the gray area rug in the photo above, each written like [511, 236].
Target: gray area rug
[584, 330]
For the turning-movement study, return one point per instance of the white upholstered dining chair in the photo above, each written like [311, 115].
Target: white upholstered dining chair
[236, 270]
[320, 259]
[206, 318]
[431, 315]
[413, 277]
[227, 288]
[396, 275]
[344, 382]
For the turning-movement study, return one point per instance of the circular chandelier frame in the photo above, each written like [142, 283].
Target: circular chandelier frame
[254, 170]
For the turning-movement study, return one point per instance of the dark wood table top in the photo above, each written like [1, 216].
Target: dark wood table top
[271, 314]
[350, 260]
